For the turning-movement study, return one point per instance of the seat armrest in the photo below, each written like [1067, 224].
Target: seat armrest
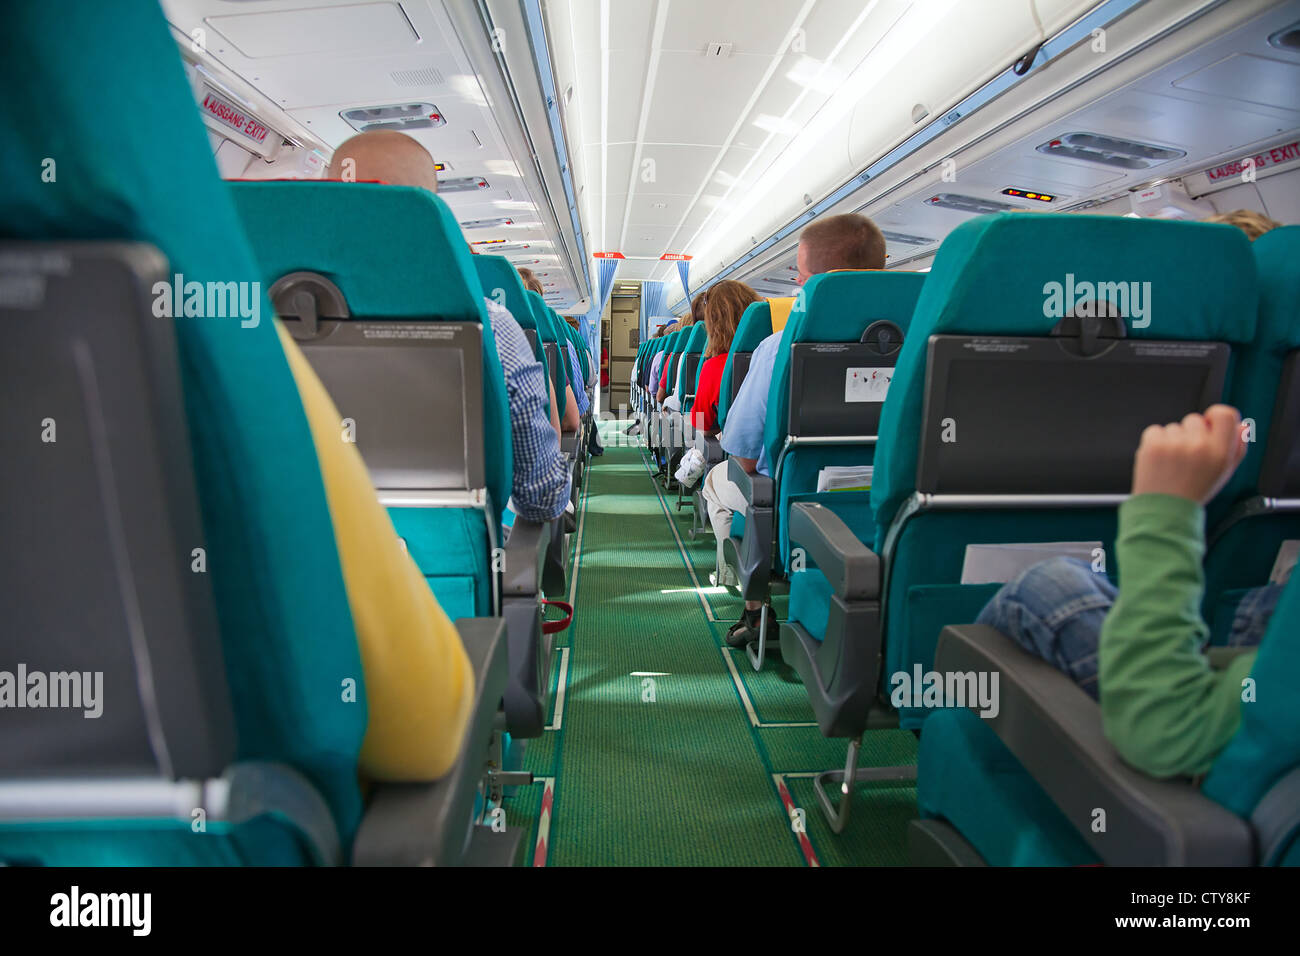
[524, 557]
[852, 568]
[569, 444]
[430, 824]
[1277, 818]
[756, 488]
[1055, 730]
[710, 448]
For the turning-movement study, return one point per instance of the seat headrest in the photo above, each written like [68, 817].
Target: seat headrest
[394, 251]
[779, 310]
[500, 282]
[1277, 259]
[837, 306]
[695, 341]
[1011, 273]
[754, 326]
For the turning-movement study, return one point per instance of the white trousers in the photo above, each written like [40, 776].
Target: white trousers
[724, 499]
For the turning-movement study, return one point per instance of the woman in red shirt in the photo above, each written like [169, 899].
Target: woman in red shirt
[727, 302]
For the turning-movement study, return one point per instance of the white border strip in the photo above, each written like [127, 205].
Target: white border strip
[543, 837]
[561, 682]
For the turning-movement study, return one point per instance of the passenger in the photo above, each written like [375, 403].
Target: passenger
[1138, 649]
[1253, 224]
[655, 363]
[540, 485]
[727, 303]
[552, 405]
[695, 315]
[573, 412]
[846, 242]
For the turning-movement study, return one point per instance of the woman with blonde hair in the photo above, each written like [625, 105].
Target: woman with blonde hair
[1253, 224]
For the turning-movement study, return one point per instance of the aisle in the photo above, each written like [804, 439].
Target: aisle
[667, 749]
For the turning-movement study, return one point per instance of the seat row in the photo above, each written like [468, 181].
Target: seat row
[1021, 372]
[182, 535]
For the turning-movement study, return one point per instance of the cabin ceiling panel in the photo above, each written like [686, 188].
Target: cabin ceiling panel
[698, 101]
[321, 29]
[752, 26]
[1245, 78]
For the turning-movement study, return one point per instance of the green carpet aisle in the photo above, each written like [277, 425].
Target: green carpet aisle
[667, 749]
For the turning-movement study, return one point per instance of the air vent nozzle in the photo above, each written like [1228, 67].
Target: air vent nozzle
[903, 239]
[1288, 38]
[401, 116]
[1109, 151]
[487, 223]
[970, 204]
[462, 184]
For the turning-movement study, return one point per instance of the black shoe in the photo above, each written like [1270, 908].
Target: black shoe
[746, 629]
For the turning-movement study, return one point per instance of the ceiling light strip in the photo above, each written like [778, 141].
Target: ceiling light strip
[656, 51]
[541, 55]
[604, 118]
[762, 150]
[1076, 33]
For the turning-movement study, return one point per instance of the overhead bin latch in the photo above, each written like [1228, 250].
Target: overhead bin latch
[307, 297]
[1026, 62]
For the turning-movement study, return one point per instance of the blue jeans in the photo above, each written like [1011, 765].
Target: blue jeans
[1055, 609]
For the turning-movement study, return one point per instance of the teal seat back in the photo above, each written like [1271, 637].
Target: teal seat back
[674, 359]
[286, 628]
[665, 349]
[658, 347]
[686, 377]
[580, 346]
[501, 284]
[832, 308]
[396, 253]
[1258, 369]
[991, 277]
[755, 325]
[548, 332]
[1242, 556]
[1266, 746]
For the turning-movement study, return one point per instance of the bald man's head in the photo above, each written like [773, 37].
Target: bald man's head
[385, 155]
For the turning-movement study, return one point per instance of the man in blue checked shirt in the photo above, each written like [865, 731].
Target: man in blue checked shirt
[575, 375]
[540, 487]
[540, 490]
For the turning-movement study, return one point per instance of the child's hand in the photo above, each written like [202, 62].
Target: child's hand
[1192, 458]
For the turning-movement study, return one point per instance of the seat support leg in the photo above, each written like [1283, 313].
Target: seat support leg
[756, 651]
[838, 816]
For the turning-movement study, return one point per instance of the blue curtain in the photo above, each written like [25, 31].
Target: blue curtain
[654, 302]
[605, 269]
[684, 273]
